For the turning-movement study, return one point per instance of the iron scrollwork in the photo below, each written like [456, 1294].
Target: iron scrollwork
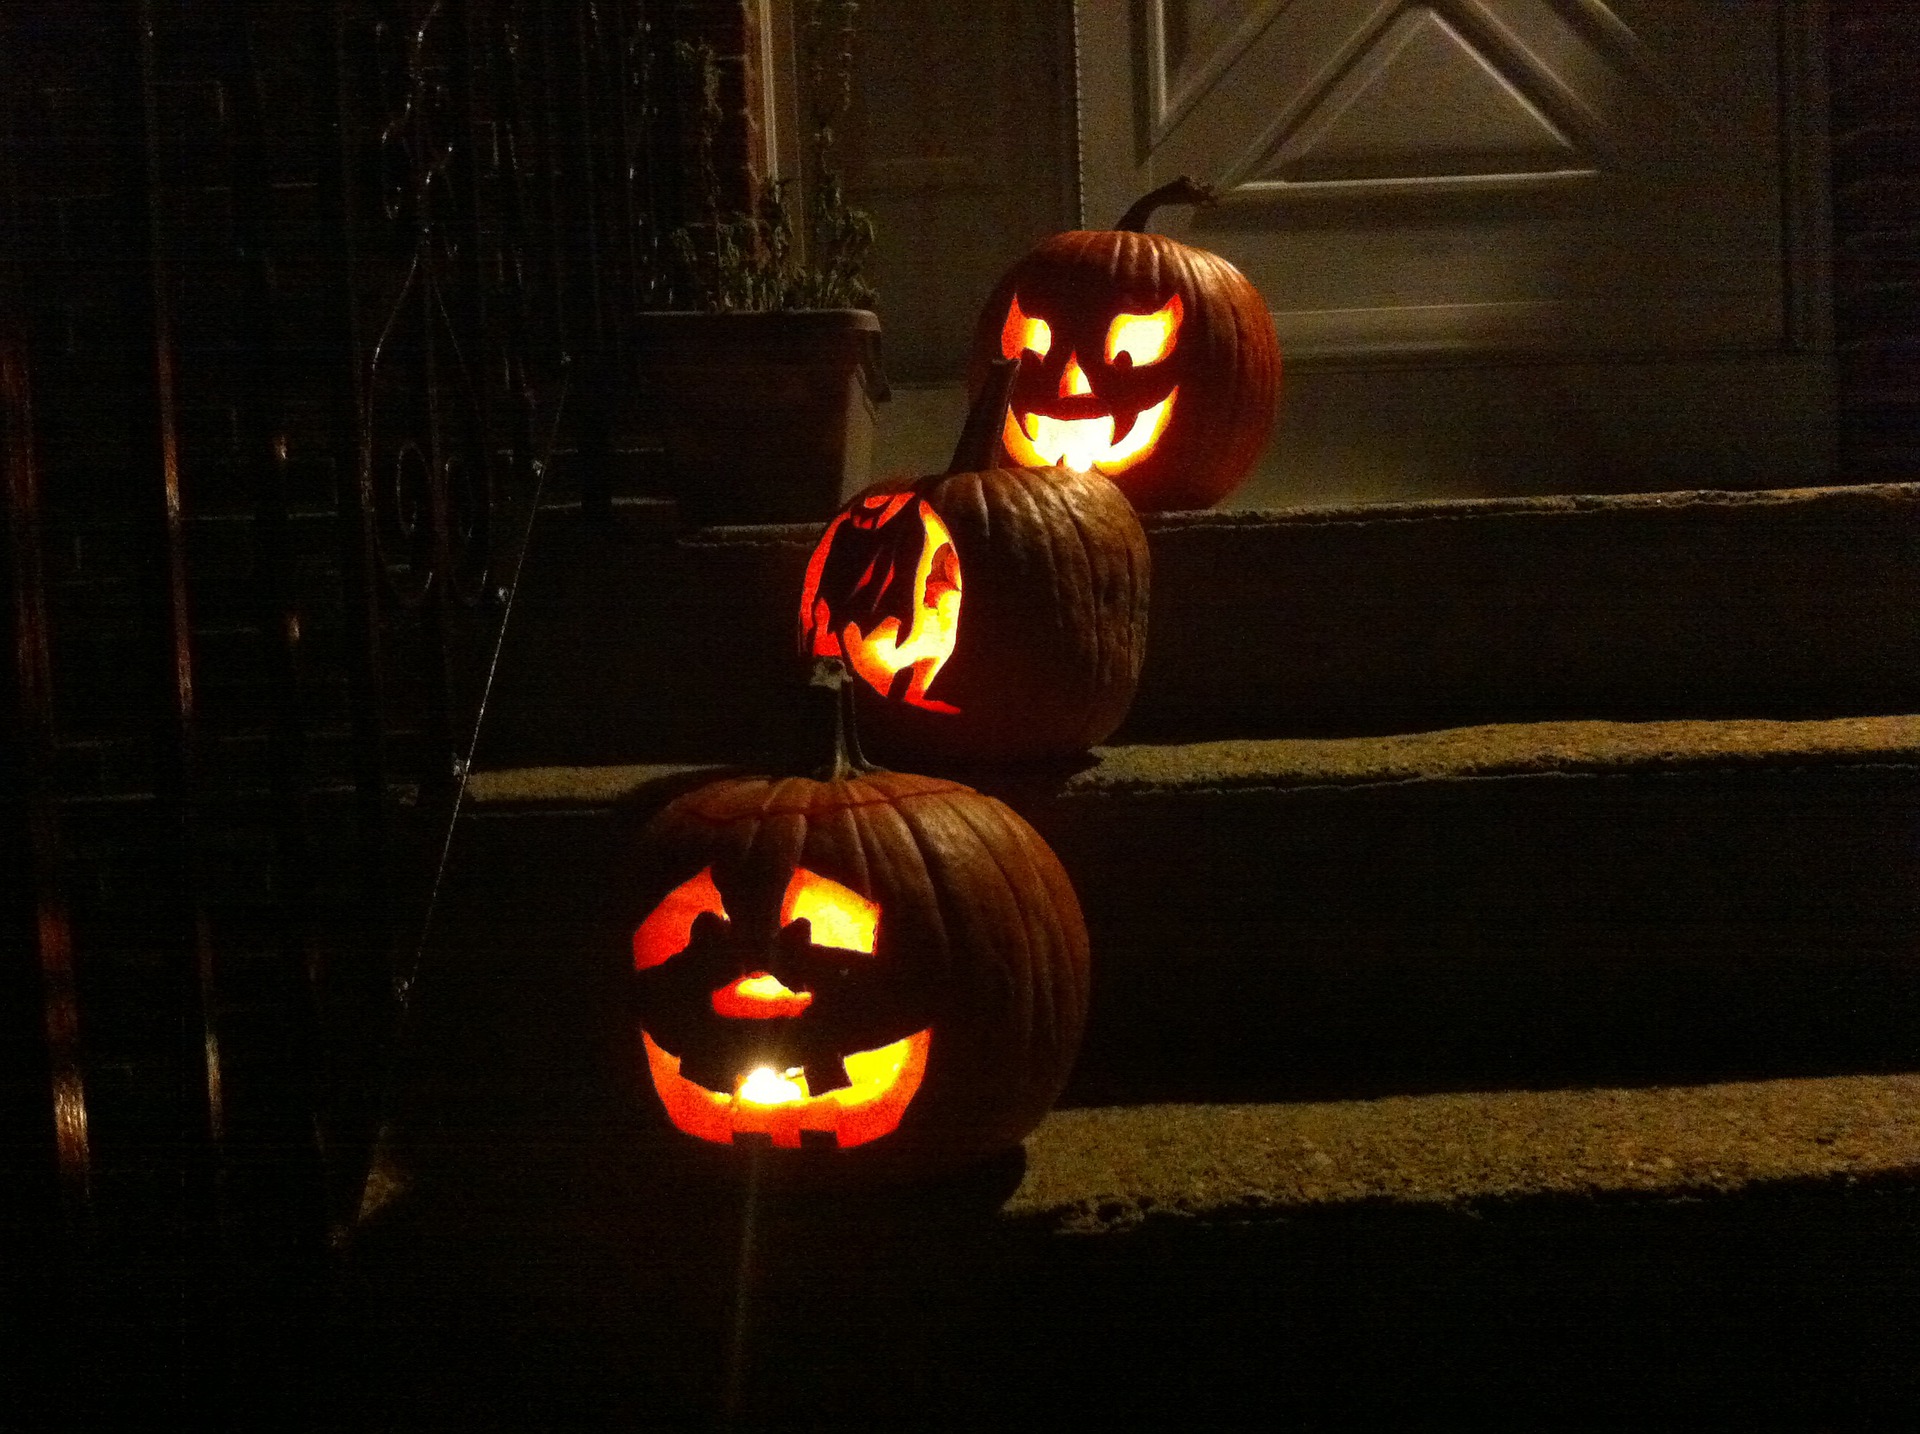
[426, 449]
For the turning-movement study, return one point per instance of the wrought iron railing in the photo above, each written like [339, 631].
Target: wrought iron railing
[307, 306]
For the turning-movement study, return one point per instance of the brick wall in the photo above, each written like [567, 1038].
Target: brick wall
[1875, 80]
[731, 28]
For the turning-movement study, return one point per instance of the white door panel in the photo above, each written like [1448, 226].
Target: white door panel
[1517, 183]
[1466, 176]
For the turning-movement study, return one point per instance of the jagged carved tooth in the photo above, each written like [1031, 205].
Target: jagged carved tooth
[709, 1069]
[827, 1073]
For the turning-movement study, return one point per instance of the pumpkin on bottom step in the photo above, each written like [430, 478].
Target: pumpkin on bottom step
[875, 975]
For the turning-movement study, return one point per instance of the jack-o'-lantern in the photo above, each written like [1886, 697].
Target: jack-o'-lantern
[1147, 360]
[883, 974]
[988, 614]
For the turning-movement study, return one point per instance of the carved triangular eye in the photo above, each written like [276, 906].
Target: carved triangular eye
[841, 917]
[669, 926]
[1024, 334]
[1144, 338]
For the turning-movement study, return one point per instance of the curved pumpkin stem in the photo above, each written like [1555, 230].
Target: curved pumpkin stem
[980, 438]
[830, 675]
[1184, 190]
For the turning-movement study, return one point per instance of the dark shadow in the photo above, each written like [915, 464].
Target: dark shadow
[1796, 1307]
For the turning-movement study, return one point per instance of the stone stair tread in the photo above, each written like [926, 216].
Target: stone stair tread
[1500, 750]
[1526, 1260]
[1831, 502]
[1105, 1169]
[1109, 1170]
[1594, 747]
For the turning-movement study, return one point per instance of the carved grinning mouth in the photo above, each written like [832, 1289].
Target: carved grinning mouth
[777, 1104]
[1042, 440]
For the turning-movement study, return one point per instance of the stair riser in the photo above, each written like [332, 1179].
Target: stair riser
[1466, 613]
[635, 649]
[1466, 934]
[1490, 934]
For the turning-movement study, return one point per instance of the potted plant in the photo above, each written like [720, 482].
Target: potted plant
[763, 379]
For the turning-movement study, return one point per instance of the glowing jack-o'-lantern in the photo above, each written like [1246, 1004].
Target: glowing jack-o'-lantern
[870, 967]
[988, 614]
[1147, 360]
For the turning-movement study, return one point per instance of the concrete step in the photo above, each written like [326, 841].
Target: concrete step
[637, 644]
[1526, 1076]
[1500, 907]
[1727, 1256]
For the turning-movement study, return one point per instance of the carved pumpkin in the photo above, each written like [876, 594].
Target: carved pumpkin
[1147, 360]
[988, 614]
[883, 972]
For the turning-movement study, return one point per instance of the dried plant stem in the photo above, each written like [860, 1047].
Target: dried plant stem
[758, 260]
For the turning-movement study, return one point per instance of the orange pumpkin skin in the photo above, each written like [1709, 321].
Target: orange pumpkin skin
[978, 953]
[1053, 574]
[1222, 368]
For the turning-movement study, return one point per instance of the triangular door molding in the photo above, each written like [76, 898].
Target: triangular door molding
[1420, 103]
[1182, 67]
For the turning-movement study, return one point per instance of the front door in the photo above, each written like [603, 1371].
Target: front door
[1511, 246]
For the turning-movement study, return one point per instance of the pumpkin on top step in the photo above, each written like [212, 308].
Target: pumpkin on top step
[864, 975]
[989, 615]
[1148, 360]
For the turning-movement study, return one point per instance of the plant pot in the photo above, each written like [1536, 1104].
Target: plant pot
[766, 417]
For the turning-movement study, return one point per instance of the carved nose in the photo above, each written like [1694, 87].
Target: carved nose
[759, 996]
[1073, 379]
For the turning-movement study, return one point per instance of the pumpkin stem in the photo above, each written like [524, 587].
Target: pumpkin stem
[830, 675]
[981, 436]
[1184, 190]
